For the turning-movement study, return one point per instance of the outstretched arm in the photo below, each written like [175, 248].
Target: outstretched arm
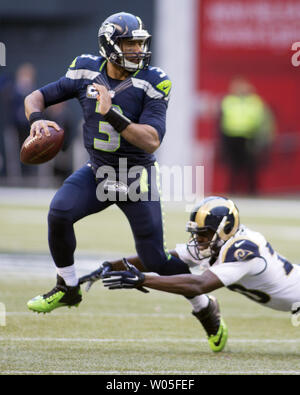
[189, 285]
[118, 265]
[114, 266]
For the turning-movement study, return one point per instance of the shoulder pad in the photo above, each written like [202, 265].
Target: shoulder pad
[240, 250]
[158, 80]
[85, 67]
[86, 61]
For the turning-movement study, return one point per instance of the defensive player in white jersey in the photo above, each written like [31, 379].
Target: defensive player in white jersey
[228, 254]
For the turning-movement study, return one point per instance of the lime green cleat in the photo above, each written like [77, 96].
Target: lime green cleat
[214, 325]
[217, 342]
[60, 296]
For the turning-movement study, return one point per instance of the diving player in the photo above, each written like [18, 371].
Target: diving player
[124, 103]
[228, 254]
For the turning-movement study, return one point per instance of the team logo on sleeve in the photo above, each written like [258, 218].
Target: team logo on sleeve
[241, 250]
[164, 86]
[243, 255]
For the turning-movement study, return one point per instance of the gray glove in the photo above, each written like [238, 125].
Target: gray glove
[96, 275]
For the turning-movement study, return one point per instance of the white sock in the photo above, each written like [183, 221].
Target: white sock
[199, 302]
[68, 273]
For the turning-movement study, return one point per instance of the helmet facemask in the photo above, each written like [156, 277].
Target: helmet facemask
[216, 219]
[133, 61]
[110, 47]
[202, 250]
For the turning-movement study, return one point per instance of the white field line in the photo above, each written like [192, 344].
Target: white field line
[164, 372]
[136, 340]
[273, 315]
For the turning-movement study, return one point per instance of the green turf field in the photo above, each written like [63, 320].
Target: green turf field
[127, 332]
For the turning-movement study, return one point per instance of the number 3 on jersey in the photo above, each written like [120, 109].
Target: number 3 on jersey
[111, 141]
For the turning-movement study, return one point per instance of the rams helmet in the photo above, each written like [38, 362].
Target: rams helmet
[113, 30]
[215, 219]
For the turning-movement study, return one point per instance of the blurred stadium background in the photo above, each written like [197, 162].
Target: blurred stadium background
[202, 45]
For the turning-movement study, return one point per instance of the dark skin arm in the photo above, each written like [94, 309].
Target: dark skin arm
[189, 285]
[134, 260]
[35, 103]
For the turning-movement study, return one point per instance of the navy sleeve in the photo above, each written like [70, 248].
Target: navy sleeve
[154, 114]
[157, 87]
[59, 91]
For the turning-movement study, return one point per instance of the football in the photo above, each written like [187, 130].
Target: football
[36, 150]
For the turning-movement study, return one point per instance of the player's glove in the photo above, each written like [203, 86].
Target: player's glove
[131, 278]
[95, 275]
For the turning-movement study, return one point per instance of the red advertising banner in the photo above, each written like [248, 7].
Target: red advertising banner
[256, 40]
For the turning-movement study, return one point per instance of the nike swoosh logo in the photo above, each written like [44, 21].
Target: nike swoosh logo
[133, 278]
[217, 343]
[237, 245]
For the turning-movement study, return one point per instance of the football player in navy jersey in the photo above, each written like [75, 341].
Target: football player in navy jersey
[124, 103]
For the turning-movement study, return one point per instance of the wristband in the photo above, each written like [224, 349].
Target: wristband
[35, 116]
[118, 121]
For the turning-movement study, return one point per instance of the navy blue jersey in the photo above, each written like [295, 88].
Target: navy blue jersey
[142, 97]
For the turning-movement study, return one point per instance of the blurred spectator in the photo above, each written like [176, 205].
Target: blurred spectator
[17, 127]
[5, 82]
[246, 126]
[14, 129]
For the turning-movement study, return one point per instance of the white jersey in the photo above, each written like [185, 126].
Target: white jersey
[248, 264]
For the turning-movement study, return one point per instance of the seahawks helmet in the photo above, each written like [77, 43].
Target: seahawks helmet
[113, 30]
[217, 219]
